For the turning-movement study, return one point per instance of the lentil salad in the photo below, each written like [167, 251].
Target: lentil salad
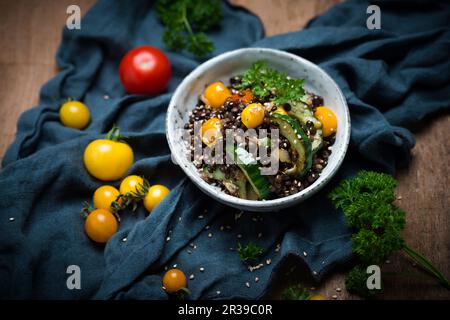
[263, 98]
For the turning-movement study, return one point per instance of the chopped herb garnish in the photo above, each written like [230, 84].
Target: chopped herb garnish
[186, 21]
[269, 83]
[295, 292]
[250, 251]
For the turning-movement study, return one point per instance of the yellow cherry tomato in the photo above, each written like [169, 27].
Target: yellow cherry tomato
[155, 195]
[174, 280]
[100, 225]
[74, 114]
[253, 115]
[318, 297]
[131, 184]
[216, 94]
[211, 131]
[328, 120]
[104, 196]
[107, 159]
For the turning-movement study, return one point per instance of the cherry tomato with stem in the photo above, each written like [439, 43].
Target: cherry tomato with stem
[174, 280]
[100, 225]
[145, 70]
[110, 158]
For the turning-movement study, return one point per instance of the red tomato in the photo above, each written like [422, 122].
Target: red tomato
[145, 70]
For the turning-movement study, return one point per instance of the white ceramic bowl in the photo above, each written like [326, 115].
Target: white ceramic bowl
[222, 68]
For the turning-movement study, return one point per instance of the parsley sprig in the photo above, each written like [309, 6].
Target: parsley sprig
[249, 252]
[269, 83]
[186, 22]
[295, 292]
[376, 223]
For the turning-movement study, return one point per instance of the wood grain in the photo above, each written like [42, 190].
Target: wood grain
[30, 34]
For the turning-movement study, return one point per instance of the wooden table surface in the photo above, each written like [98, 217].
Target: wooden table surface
[30, 34]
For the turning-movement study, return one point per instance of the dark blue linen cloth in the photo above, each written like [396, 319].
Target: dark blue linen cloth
[392, 78]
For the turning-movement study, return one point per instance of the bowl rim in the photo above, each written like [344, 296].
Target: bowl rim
[257, 205]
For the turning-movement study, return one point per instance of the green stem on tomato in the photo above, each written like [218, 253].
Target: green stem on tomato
[426, 265]
[113, 134]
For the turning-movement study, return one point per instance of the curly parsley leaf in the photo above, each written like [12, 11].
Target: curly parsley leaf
[356, 283]
[269, 83]
[367, 201]
[295, 292]
[186, 21]
[249, 252]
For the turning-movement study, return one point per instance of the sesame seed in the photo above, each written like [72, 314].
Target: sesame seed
[165, 268]
[251, 268]
[338, 289]
[231, 249]
[399, 198]
[207, 227]
[388, 261]
[259, 235]
[256, 279]
[312, 288]
[195, 247]
[239, 236]
[106, 97]
[268, 261]
[167, 239]
[254, 219]
[315, 273]
[191, 277]
[221, 228]
[124, 239]
[247, 285]
[334, 296]
[218, 292]
[210, 235]
[189, 251]
[202, 269]
[228, 227]
[174, 266]
[12, 219]
[179, 219]
[200, 217]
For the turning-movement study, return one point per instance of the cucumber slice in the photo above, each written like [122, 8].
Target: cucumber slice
[291, 130]
[250, 168]
[241, 182]
[303, 113]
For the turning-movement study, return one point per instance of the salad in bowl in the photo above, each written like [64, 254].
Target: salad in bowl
[261, 98]
[258, 129]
